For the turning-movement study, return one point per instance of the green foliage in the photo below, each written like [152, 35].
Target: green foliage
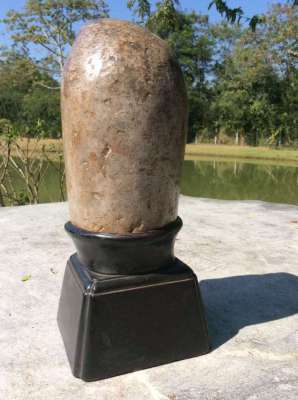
[241, 74]
[166, 19]
[42, 34]
[232, 14]
[256, 20]
[8, 132]
[26, 103]
[235, 76]
[50, 25]
[256, 83]
[191, 43]
[141, 8]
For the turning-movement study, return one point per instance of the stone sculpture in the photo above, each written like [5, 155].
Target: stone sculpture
[124, 115]
[126, 302]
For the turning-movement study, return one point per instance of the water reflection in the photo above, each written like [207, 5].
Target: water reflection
[238, 180]
[218, 179]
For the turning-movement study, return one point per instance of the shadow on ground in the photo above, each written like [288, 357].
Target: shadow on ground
[238, 301]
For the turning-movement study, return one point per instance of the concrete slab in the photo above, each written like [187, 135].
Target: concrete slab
[245, 254]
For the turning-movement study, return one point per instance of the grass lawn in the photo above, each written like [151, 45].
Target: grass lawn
[34, 148]
[246, 152]
[50, 145]
[54, 146]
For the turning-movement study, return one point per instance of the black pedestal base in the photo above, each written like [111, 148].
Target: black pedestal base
[117, 324]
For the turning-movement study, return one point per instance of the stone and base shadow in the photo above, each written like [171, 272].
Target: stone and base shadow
[235, 302]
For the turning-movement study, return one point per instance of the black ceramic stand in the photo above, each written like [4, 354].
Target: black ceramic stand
[127, 304]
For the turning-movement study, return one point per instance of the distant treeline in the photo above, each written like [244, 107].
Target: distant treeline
[242, 82]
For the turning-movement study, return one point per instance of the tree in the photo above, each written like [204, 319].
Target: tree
[281, 33]
[49, 26]
[255, 80]
[42, 34]
[190, 40]
[241, 79]
[142, 9]
[24, 98]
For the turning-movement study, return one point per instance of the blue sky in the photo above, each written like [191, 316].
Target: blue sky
[118, 9]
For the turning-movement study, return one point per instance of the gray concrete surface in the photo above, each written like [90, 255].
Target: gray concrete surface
[246, 256]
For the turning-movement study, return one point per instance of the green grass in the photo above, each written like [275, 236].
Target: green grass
[245, 152]
[287, 155]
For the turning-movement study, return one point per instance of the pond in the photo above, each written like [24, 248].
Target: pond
[240, 180]
[218, 179]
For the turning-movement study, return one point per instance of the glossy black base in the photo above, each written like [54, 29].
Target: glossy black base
[125, 254]
[112, 325]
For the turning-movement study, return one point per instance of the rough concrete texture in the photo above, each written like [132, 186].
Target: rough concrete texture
[122, 91]
[245, 254]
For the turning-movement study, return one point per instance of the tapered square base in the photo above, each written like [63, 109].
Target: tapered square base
[112, 325]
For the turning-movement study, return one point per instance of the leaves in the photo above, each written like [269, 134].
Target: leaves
[26, 278]
[256, 20]
[241, 75]
[24, 97]
[141, 8]
[260, 65]
[50, 25]
[231, 14]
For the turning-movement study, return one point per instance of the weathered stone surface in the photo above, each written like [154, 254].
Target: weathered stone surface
[245, 254]
[124, 114]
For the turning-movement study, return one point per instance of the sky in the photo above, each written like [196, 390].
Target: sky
[119, 10]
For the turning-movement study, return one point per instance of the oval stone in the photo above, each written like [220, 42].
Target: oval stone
[124, 119]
